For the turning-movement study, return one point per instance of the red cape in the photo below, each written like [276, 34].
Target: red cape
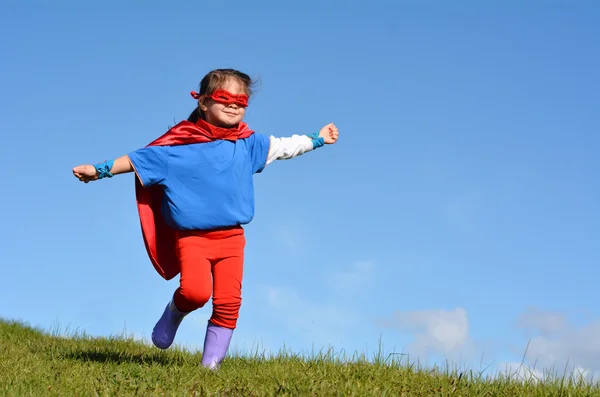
[159, 238]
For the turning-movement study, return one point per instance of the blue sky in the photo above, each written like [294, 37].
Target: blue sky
[457, 217]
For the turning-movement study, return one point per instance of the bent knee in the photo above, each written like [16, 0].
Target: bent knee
[196, 297]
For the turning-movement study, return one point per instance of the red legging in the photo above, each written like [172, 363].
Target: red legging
[212, 263]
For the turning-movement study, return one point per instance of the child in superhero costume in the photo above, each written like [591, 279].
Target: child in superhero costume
[194, 191]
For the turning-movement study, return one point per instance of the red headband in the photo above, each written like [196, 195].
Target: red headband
[225, 97]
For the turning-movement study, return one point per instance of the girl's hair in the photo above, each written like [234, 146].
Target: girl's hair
[214, 80]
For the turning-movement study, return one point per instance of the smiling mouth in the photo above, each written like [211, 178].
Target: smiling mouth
[230, 114]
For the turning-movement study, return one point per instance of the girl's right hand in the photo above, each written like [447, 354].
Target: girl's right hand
[329, 133]
[85, 173]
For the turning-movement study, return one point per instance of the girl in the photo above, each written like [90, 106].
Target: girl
[194, 191]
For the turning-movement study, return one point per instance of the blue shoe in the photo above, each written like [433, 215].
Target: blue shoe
[165, 329]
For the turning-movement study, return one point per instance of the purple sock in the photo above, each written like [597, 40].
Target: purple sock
[165, 329]
[216, 344]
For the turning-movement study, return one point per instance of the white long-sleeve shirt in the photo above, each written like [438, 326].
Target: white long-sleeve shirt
[288, 147]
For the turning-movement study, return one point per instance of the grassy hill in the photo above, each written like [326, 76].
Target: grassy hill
[36, 363]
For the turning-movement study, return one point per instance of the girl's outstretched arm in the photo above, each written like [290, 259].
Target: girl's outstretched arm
[296, 145]
[86, 173]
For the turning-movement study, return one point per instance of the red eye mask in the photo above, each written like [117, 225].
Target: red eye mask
[226, 97]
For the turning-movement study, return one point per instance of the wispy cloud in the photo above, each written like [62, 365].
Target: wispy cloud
[557, 343]
[554, 345]
[546, 322]
[523, 372]
[435, 332]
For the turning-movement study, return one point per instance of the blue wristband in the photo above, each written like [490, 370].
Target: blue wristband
[104, 168]
[317, 141]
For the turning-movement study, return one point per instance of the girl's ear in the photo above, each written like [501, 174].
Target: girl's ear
[202, 106]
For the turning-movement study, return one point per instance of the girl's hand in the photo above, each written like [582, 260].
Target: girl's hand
[85, 173]
[329, 133]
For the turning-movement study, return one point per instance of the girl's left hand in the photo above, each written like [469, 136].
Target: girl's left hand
[329, 133]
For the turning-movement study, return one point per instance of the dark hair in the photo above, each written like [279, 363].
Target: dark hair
[214, 80]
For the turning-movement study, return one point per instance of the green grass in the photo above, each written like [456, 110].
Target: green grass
[36, 363]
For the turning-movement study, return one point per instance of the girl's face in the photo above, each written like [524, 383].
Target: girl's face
[224, 115]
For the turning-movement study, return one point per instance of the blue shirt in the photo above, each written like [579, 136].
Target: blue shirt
[206, 185]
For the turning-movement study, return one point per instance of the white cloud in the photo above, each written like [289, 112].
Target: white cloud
[555, 345]
[526, 373]
[437, 331]
[546, 322]
[559, 345]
